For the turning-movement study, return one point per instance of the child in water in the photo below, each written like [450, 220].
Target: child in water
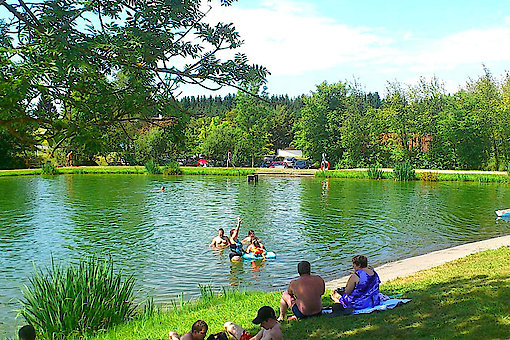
[256, 249]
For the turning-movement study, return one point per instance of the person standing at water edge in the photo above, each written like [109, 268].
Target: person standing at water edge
[26, 333]
[198, 332]
[221, 240]
[69, 159]
[304, 294]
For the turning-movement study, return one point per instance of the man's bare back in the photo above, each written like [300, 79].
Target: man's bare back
[308, 290]
[303, 295]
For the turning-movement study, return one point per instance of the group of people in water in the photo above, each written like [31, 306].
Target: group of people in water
[236, 246]
[304, 297]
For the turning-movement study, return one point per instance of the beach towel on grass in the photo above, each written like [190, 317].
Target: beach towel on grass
[384, 305]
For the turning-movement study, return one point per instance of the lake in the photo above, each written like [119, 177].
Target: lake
[162, 238]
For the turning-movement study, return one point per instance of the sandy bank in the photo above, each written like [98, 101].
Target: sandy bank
[406, 267]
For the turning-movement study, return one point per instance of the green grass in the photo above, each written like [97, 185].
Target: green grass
[464, 299]
[217, 171]
[460, 177]
[79, 170]
[350, 174]
[482, 178]
[131, 170]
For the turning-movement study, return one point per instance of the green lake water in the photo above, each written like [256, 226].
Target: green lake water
[162, 238]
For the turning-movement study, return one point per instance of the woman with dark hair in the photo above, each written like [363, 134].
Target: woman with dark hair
[362, 289]
[236, 247]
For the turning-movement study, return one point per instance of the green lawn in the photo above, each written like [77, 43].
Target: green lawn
[464, 299]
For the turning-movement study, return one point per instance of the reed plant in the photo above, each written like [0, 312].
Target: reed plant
[49, 169]
[404, 172]
[172, 169]
[67, 299]
[152, 168]
[374, 171]
[429, 176]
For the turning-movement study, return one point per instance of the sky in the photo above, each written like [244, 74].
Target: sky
[306, 42]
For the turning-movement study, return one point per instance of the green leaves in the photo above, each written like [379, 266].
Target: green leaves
[72, 55]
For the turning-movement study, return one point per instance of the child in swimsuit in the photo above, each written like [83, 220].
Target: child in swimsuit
[255, 248]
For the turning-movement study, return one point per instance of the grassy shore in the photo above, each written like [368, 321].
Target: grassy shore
[464, 299]
[131, 170]
[430, 176]
[424, 175]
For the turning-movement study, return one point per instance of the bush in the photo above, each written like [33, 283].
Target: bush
[429, 176]
[404, 172]
[172, 169]
[48, 169]
[375, 172]
[152, 168]
[77, 299]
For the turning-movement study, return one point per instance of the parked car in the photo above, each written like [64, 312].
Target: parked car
[269, 159]
[289, 161]
[303, 164]
[278, 165]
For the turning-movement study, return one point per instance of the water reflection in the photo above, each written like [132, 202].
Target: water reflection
[162, 237]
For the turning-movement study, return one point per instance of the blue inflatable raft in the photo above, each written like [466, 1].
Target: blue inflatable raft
[503, 213]
[250, 256]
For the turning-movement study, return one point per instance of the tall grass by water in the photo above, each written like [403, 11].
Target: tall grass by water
[77, 299]
[404, 172]
[172, 169]
[466, 177]
[374, 171]
[48, 169]
[152, 168]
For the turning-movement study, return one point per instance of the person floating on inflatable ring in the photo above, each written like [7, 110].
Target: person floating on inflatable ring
[324, 163]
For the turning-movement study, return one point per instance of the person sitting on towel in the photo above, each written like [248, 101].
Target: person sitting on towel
[362, 289]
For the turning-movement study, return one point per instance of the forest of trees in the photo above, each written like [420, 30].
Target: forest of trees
[419, 123]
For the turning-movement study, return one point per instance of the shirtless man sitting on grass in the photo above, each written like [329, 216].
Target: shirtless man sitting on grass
[303, 295]
[266, 317]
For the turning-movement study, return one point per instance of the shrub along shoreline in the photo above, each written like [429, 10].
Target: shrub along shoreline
[423, 175]
[464, 299]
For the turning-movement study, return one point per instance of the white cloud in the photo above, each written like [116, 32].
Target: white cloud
[289, 37]
[294, 41]
[468, 47]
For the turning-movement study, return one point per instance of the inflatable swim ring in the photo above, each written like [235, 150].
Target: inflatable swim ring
[269, 255]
